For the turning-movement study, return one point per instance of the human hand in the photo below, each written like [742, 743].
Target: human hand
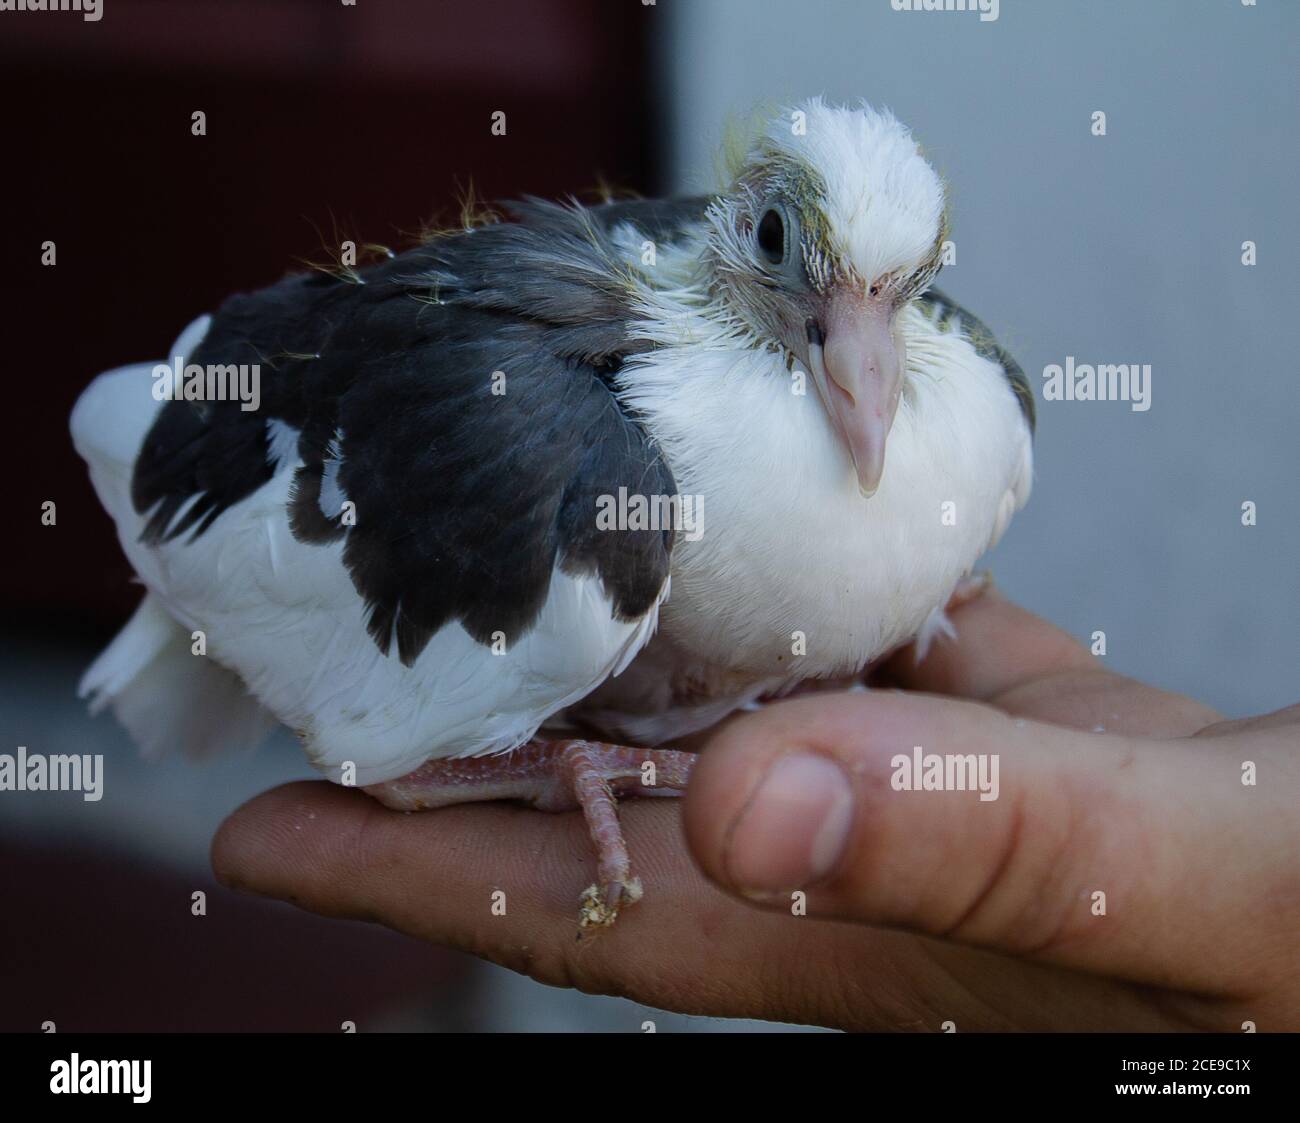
[923, 907]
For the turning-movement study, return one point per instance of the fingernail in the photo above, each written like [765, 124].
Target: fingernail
[794, 830]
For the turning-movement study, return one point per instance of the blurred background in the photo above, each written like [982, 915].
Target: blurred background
[327, 121]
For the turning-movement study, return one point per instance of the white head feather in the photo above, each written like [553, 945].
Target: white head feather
[884, 204]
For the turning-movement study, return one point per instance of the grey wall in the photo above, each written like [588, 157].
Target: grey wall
[1124, 248]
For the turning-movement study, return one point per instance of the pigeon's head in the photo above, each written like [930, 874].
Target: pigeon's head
[832, 223]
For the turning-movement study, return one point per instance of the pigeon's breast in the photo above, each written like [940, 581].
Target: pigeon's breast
[788, 572]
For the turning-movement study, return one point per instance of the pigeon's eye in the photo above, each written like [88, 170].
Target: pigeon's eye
[771, 236]
[777, 245]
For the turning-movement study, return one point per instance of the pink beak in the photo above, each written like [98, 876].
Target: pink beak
[859, 370]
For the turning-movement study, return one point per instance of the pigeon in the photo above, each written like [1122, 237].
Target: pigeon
[508, 513]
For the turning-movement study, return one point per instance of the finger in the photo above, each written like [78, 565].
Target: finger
[999, 646]
[686, 946]
[436, 875]
[1285, 718]
[1096, 853]
[1025, 666]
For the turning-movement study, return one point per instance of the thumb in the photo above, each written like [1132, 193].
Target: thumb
[1106, 854]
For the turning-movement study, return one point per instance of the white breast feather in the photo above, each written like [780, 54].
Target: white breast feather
[789, 546]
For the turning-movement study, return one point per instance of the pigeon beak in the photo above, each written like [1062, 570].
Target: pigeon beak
[858, 368]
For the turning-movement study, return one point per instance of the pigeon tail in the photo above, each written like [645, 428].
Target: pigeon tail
[168, 698]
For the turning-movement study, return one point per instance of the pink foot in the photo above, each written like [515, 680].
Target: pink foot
[557, 776]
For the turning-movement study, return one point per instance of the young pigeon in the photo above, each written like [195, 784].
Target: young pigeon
[441, 549]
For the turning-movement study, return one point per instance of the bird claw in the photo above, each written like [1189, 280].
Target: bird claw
[599, 907]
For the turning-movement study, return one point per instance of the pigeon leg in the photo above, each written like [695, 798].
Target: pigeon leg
[556, 776]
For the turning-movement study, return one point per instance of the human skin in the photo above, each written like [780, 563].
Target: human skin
[921, 907]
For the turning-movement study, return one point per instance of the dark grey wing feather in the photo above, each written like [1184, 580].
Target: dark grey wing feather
[944, 309]
[465, 499]
[664, 221]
